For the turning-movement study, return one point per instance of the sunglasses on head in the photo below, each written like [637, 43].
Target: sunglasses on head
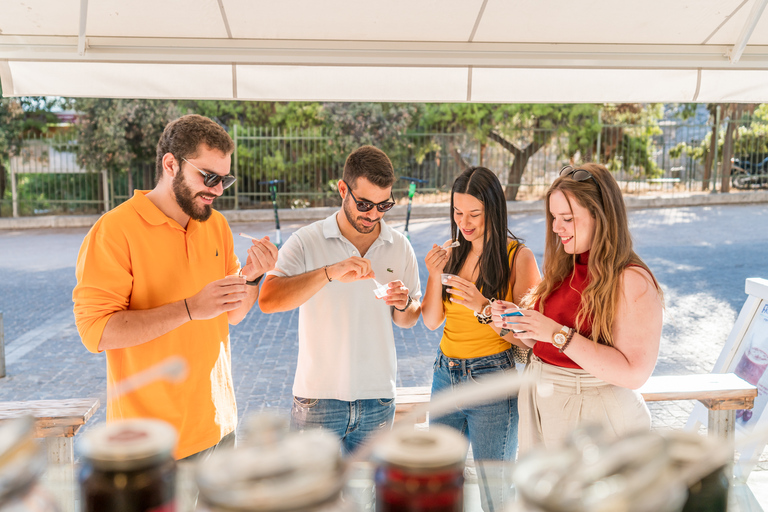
[366, 206]
[580, 175]
[211, 179]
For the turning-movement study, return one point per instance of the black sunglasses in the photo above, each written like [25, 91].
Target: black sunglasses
[366, 206]
[580, 175]
[211, 179]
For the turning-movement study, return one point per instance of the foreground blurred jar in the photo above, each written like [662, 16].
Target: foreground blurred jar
[22, 461]
[296, 471]
[644, 472]
[421, 471]
[128, 466]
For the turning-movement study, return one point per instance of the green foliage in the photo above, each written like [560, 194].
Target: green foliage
[115, 134]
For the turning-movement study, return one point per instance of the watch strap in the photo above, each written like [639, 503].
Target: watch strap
[410, 299]
[255, 282]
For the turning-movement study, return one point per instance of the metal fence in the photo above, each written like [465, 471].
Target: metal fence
[302, 167]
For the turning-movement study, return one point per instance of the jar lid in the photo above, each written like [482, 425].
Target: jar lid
[438, 447]
[301, 470]
[127, 444]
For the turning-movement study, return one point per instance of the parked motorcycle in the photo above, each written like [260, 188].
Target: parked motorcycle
[746, 174]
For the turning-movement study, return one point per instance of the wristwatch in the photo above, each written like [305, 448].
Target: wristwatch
[484, 316]
[408, 303]
[560, 338]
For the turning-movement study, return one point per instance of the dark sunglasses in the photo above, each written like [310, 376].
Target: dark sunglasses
[366, 206]
[211, 179]
[580, 175]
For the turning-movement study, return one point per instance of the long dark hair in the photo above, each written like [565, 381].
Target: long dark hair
[494, 270]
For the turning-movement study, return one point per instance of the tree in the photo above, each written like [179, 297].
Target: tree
[117, 134]
[523, 130]
[20, 117]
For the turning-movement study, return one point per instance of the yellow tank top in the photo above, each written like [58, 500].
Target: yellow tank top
[466, 338]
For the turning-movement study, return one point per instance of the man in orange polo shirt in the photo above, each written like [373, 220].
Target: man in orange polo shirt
[158, 277]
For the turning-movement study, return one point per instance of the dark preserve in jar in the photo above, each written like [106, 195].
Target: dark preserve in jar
[421, 471]
[128, 466]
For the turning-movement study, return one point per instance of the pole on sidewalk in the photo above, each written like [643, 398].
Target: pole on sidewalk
[2, 347]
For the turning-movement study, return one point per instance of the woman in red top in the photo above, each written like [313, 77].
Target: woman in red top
[594, 322]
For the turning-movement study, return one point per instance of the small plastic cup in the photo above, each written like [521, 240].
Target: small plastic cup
[446, 278]
[381, 290]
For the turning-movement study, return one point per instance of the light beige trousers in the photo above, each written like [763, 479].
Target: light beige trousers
[558, 400]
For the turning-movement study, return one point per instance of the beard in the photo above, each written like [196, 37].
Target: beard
[350, 211]
[186, 200]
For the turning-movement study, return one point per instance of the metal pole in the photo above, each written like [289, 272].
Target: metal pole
[105, 186]
[2, 347]
[237, 202]
[716, 143]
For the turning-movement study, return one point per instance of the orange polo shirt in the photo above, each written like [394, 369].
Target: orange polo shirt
[135, 257]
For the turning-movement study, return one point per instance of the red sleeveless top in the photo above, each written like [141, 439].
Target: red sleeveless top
[562, 306]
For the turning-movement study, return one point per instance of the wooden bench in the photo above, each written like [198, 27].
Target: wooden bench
[57, 422]
[721, 393]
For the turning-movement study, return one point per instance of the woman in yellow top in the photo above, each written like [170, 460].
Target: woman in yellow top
[489, 263]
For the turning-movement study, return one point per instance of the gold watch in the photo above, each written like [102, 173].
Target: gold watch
[561, 336]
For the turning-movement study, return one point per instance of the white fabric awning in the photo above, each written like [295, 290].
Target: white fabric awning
[523, 51]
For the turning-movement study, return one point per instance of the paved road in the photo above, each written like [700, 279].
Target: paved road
[701, 256]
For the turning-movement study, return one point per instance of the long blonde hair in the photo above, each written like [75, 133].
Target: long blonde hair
[610, 254]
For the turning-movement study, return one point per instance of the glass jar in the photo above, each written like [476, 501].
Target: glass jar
[22, 462]
[299, 471]
[640, 472]
[128, 466]
[421, 470]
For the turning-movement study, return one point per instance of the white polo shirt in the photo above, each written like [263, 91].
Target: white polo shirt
[346, 342]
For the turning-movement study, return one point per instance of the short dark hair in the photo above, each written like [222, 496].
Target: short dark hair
[370, 163]
[182, 137]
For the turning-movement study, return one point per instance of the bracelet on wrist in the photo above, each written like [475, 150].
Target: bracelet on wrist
[567, 340]
[255, 282]
[325, 269]
[407, 304]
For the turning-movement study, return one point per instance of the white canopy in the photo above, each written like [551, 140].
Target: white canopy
[524, 51]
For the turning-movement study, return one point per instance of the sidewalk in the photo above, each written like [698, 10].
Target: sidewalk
[701, 255]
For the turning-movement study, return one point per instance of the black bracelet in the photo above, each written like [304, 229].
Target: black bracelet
[325, 269]
[406, 304]
[185, 305]
[255, 282]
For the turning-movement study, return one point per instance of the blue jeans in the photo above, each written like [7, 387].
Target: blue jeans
[352, 422]
[491, 428]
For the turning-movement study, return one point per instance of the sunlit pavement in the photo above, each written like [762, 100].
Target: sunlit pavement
[700, 255]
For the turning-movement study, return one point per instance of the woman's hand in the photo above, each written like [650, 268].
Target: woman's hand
[537, 327]
[436, 259]
[501, 307]
[465, 293]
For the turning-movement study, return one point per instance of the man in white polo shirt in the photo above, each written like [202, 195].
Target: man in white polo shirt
[345, 378]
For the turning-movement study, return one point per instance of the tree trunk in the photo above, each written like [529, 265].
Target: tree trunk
[3, 181]
[130, 183]
[725, 183]
[709, 161]
[516, 170]
[456, 154]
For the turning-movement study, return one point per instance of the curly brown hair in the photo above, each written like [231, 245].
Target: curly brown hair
[182, 138]
[370, 163]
